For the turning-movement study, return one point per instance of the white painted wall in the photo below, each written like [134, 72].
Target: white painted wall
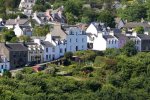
[99, 43]
[92, 29]
[18, 31]
[9, 26]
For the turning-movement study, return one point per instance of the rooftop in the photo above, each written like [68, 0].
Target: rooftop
[135, 24]
[16, 47]
[14, 21]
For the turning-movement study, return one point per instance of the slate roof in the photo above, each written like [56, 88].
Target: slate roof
[30, 43]
[135, 24]
[58, 32]
[13, 21]
[131, 37]
[119, 35]
[116, 31]
[99, 26]
[107, 37]
[143, 36]
[46, 44]
[58, 19]
[16, 47]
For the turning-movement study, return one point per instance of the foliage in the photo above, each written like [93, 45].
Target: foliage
[25, 38]
[86, 55]
[139, 29]
[68, 55]
[107, 18]
[27, 70]
[134, 12]
[7, 74]
[41, 30]
[121, 78]
[9, 35]
[129, 48]
[70, 18]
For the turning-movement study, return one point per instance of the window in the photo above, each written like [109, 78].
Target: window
[115, 41]
[46, 49]
[53, 57]
[49, 56]
[65, 50]
[2, 66]
[70, 40]
[137, 42]
[112, 41]
[61, 50]
[108, 41]
[82, 39]
[46, 57]
[53, 49]
[76, 40]
[70, 48]
[82, 47]
[14, 56]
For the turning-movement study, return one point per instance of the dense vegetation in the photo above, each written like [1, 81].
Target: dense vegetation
[109, 75]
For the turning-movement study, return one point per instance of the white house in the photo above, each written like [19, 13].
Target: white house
[10, 23]
[35, 52]
[48, 50]
[94, 28]
[65, 39]
[102, 42]
[40, 17]
[94, 32]
[26, 6]
[22, 30]
[4, 64]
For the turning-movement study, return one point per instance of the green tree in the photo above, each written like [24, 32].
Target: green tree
[134, 12]
[107, 18]
[9, 35]
[68, 55]
[41, 30]
[70, 18]
[139, 29]
[73, 6]
[129, 49]
[24, 38]
[7, 74]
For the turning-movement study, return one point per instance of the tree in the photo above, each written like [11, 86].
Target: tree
[24, 38]
[134, 12]
[7, 74]
[85, 19]
[68, 55]
[129, 48]
[41, 30]
[107, 18]
[9, 35]
[73, 6]
[139, 29]
[70, 18]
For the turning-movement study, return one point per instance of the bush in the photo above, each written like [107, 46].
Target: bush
[27, 70]
[7, 74]
[68, 55]
[87, 69]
